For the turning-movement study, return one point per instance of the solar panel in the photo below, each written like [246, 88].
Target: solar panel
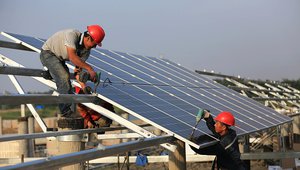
[168, 95]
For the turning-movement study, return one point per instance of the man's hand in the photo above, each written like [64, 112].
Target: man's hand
[93, 75]
[206, 113]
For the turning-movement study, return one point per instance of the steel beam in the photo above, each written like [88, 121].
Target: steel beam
[21, 71]
[30, 106]
[46, 99]
[165, 158]
[4, 138]
[12, 45]
[72, 158]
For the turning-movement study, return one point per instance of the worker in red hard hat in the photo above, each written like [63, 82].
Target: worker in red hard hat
[227, 149]
[92, 119]
[74, 46]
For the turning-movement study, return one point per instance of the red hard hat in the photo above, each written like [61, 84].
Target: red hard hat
[226, 118]
[97, 33]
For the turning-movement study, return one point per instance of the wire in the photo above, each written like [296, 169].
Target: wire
[107, 82]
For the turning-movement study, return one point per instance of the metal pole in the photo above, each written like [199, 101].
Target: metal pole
[90, 154]
[296, 128]
[177, 160]
[70, 143]
[279, 142]
[30, 106]
[125, 116]
[31, 142]
[1, 125]
[22, 110]
[23, 129]
[247, 150]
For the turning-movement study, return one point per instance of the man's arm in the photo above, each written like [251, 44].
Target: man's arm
[78, 62]
[210, 123]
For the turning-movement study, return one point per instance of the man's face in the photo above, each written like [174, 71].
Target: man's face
[219, 127]
[90, 43]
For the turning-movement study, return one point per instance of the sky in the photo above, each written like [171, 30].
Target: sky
[257, 39]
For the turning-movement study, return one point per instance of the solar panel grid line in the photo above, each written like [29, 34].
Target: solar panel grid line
[158, 99]
[159, 87]
[117, 89]
[242, 98]
[52, 84]
[195, 91]
[276, 115]
[186, 79]
[227, 89]
[153, 123]
[244, 130]
[143, 89]
[252, 119]
[176, 88]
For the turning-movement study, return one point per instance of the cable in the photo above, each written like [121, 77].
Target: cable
[107, 82]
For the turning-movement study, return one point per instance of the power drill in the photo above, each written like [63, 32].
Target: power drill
[85, 76]
[199, 117]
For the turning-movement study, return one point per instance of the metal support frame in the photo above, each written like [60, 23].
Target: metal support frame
[165, 158]
[30, 106]
[4, 138]
[119, 136]
[21, 71]
[12, 45]
[46, 98]
[98, 108]
[72, 158]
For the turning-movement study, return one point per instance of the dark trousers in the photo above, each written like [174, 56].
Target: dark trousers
[61, 75]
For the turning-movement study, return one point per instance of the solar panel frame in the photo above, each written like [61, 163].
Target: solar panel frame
[162, 88]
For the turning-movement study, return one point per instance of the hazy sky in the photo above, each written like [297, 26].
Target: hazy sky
[257, 39]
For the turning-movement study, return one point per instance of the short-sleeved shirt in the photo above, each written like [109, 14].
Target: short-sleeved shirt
[58, 42]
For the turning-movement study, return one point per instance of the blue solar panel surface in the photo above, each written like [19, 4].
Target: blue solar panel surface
[168, 95]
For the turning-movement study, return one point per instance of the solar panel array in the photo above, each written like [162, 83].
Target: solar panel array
[168, 95]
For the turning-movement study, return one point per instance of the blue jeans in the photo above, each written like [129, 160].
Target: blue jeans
[61, 75]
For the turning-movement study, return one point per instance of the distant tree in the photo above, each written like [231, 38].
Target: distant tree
[292, 83]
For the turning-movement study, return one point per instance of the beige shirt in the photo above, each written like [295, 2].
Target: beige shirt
[58, 42]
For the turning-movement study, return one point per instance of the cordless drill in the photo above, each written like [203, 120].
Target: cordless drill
[85, 76]
[199, 117]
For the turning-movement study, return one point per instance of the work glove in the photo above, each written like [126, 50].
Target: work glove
[202, 113]
[206, 113]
